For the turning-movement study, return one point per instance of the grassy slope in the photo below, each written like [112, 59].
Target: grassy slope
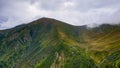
[104, 42]
[48, 43]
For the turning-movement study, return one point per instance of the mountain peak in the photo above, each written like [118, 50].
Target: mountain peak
[50, 43]
[48, 21]
[45, 20]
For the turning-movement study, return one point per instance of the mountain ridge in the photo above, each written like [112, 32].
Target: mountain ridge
[49, 43]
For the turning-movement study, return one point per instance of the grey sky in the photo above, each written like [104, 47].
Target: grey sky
[76, 12]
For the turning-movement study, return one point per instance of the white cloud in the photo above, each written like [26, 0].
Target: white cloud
[76, 12]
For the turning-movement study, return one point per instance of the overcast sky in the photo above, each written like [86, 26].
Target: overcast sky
[75, 12]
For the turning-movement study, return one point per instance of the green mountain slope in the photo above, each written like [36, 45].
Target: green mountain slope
[49, 43]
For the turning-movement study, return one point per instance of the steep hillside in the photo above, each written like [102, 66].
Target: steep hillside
[49, 43]
[104, 45]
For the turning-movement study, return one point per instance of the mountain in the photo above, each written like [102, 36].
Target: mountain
[49, 43]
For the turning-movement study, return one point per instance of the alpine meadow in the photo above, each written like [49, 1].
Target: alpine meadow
[50, 43]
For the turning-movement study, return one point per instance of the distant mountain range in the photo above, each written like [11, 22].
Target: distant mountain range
[49, 43]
